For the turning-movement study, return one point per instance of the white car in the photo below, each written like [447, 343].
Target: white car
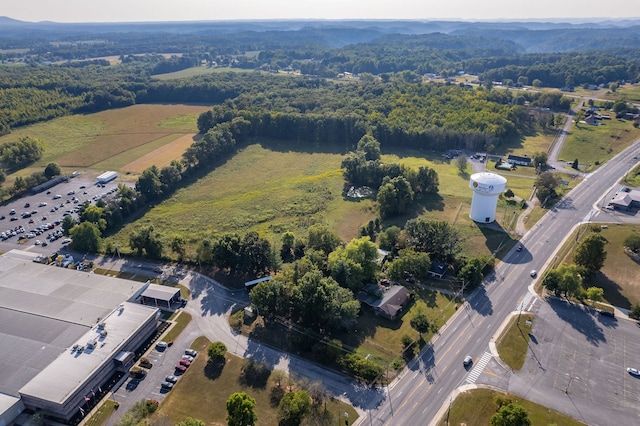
[533, 273]
[37, 242]
[187, 357]
[633, 372]
[467, 361]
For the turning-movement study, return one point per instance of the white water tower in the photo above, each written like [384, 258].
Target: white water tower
[486, 188]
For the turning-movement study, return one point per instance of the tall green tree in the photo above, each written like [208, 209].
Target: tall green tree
[409, 262]
[438, 238]
[590, 253]
[420, 322]
[189, 421]
[241, 410]
[51, 170]
[86, 237]
[321, 303]
[216, 351]
[394, 196]
[511, 414]
[146, 240]
[293, 407]
[271, 298]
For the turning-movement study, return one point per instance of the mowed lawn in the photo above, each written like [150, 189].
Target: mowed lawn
[619, 275]
[475, 408]
[202, 392]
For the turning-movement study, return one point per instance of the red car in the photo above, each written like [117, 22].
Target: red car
[181, 368]
[185, 362]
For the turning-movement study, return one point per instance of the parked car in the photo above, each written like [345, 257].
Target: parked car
[187, 357]
[633, 372]
[161, 345]
[181, 368]
[166, 385]
[191, 352]
[171, 379]
[185, 362]
[519, 248]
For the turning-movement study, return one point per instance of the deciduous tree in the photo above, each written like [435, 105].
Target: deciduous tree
[241, 410]
[590, 253]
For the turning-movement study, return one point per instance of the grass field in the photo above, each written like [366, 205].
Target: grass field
[513, 344]
[475, 408]
[161, 156]
[619, 275]
[628, 93]
[591, 144]
[203, 390]
[109, 139]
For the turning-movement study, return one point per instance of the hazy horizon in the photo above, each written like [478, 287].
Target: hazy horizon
[115, 11]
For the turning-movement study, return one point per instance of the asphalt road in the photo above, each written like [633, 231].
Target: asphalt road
[417, 396]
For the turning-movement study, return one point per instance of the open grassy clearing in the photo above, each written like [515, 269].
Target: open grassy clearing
[203, 390]
[475, 408]
[106, 139]
[628, 93]
[513, 344]
[633, 177]
[161, 156]
[534, 143]
[263, 190]
[203, 70]
[181, 322]
[591, 144]
[120, 161]
[121, 136]
[276, 190]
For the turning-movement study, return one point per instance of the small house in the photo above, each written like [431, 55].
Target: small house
[519, 161]
[387, 303]
[438, 270]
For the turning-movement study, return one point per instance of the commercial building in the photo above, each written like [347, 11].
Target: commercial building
[63, 334]
[107, 177]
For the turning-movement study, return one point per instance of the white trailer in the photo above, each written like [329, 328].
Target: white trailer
[107, 177]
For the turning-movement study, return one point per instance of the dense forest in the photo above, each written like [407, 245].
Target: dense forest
[55, 69]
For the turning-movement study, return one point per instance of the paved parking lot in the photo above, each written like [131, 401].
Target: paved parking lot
[61, 199]
[163, 361]
[577, 364]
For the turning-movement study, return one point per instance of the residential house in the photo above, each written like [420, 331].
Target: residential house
[386, 302]
[518, 160]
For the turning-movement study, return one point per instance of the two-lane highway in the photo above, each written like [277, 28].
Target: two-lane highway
[428, 382]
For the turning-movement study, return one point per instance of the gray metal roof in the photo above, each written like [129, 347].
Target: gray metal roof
[69, 370]
[160, 292]
[46, 309]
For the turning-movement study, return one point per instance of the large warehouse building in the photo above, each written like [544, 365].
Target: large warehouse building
[64, 334]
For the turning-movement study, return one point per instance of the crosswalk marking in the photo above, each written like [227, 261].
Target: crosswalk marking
[526, 303]
[478, 367]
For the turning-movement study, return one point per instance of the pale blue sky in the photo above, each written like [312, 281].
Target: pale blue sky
[190, 10]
